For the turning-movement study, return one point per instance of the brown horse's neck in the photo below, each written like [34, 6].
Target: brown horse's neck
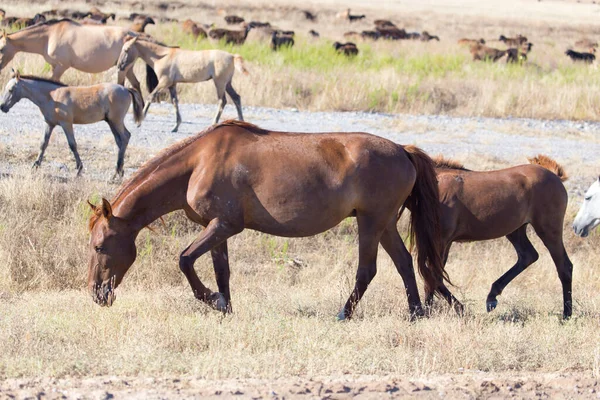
[30, 40]
[155, 191]
[152, 52]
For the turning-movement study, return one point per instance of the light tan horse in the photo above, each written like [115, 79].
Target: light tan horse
[483, 205]
[235, 176]
[67, 44]
[174, 65]
[67, 105]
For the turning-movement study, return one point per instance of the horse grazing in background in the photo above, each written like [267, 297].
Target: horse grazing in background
[236, 175]
[173, 65]
[67, 105]
[491, 204]
[67, 44]
[588, 216]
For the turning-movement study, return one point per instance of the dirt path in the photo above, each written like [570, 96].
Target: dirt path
[464, 385]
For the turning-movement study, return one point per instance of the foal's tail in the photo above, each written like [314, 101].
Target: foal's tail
[550, 164]
[138, 106]
[425, 212]
[238, 61]
[151, 79]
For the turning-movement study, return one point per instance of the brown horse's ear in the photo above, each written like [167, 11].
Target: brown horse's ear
[93, 207]
[106, 209]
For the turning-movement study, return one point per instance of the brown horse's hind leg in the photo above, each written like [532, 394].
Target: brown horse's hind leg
[173, 92]
[526, 256]
[220, 259]
[392, 243]
[444, 291]
[368, 242]
[553, 241]
[235, 97]
[215, 233]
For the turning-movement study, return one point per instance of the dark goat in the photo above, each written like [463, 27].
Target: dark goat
[583, 57]
[484, 53]
[314, 33]
[349, 49]
[353, 18]
[309, 16]
[516, 55]
[278, 41]
[233, 19]
[191, 28]
[384, 23]
[139, 24]
[230, 37]
[513, 42]
[258, 24]
[470, 42]
[392, 33]
[374, 35]
[413, 35]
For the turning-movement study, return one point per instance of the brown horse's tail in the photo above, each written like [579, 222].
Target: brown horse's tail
[425, 230]
[551, 165]
[138, 106]
[151, 79]
[238, 61]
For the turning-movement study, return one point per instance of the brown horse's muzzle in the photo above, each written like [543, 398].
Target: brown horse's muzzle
[104, 295]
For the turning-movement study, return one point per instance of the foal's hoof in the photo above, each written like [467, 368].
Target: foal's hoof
[35, 166]
[175, 129]
[218, 302]
[491, 305]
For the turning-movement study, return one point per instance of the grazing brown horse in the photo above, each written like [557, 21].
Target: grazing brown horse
[491, 204]
[236, 175]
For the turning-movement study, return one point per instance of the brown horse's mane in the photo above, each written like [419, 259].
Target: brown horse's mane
[40, 79]
[446, 163]
[151, 165]
[46, 23]
[550, 164]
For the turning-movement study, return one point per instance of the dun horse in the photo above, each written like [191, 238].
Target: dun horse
[67, 44]
[173, 65]
[491, 204]
[67, 105]
[588, 216]
[236, 175]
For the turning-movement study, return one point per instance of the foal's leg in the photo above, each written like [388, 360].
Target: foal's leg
[44, 145]
[368, 241]
[235, 97]
[162, 84]
[222, 101]
[173, 92]
[552, 238]
[392, 243]
[68, 129]
[215, 233]
[122, 137]
[526, 256]
[220, 259]
[131, 78]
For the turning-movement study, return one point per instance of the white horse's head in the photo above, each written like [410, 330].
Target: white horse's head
[588, 216]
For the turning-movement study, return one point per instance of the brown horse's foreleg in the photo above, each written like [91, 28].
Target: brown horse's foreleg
[68, 129]
[526, 254]
[44, 145]
[392, 243]
[554, 243]
[173, 92]
[220, 259]
[237, 100]
[215, 233]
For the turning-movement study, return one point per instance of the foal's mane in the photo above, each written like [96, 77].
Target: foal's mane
[40, 79]
[151, 165]
[447, 163]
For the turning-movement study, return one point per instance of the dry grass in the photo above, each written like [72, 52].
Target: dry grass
[286, 293]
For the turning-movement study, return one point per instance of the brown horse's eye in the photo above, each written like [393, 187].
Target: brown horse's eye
[99, 249]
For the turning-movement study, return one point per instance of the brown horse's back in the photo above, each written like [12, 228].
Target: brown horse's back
[491, 204]
[320, 178]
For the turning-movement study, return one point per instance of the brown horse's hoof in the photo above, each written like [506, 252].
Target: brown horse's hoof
[218, 302]
[491, 305]
[417, 313]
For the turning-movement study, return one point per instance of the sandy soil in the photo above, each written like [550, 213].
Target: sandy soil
[464, 385]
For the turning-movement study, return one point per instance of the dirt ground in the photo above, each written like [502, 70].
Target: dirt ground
[463, 385]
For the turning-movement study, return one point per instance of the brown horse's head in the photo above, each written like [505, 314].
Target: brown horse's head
[128, 54]
[111, 250]
[7, 50]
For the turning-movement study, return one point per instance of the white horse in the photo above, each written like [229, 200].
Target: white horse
[588, 216]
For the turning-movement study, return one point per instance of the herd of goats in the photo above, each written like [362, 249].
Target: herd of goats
[83, 40]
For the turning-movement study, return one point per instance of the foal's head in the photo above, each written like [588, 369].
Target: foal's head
[588, 216]
[128, 54]
[12, 92]
[111, 252]
[7, 50]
